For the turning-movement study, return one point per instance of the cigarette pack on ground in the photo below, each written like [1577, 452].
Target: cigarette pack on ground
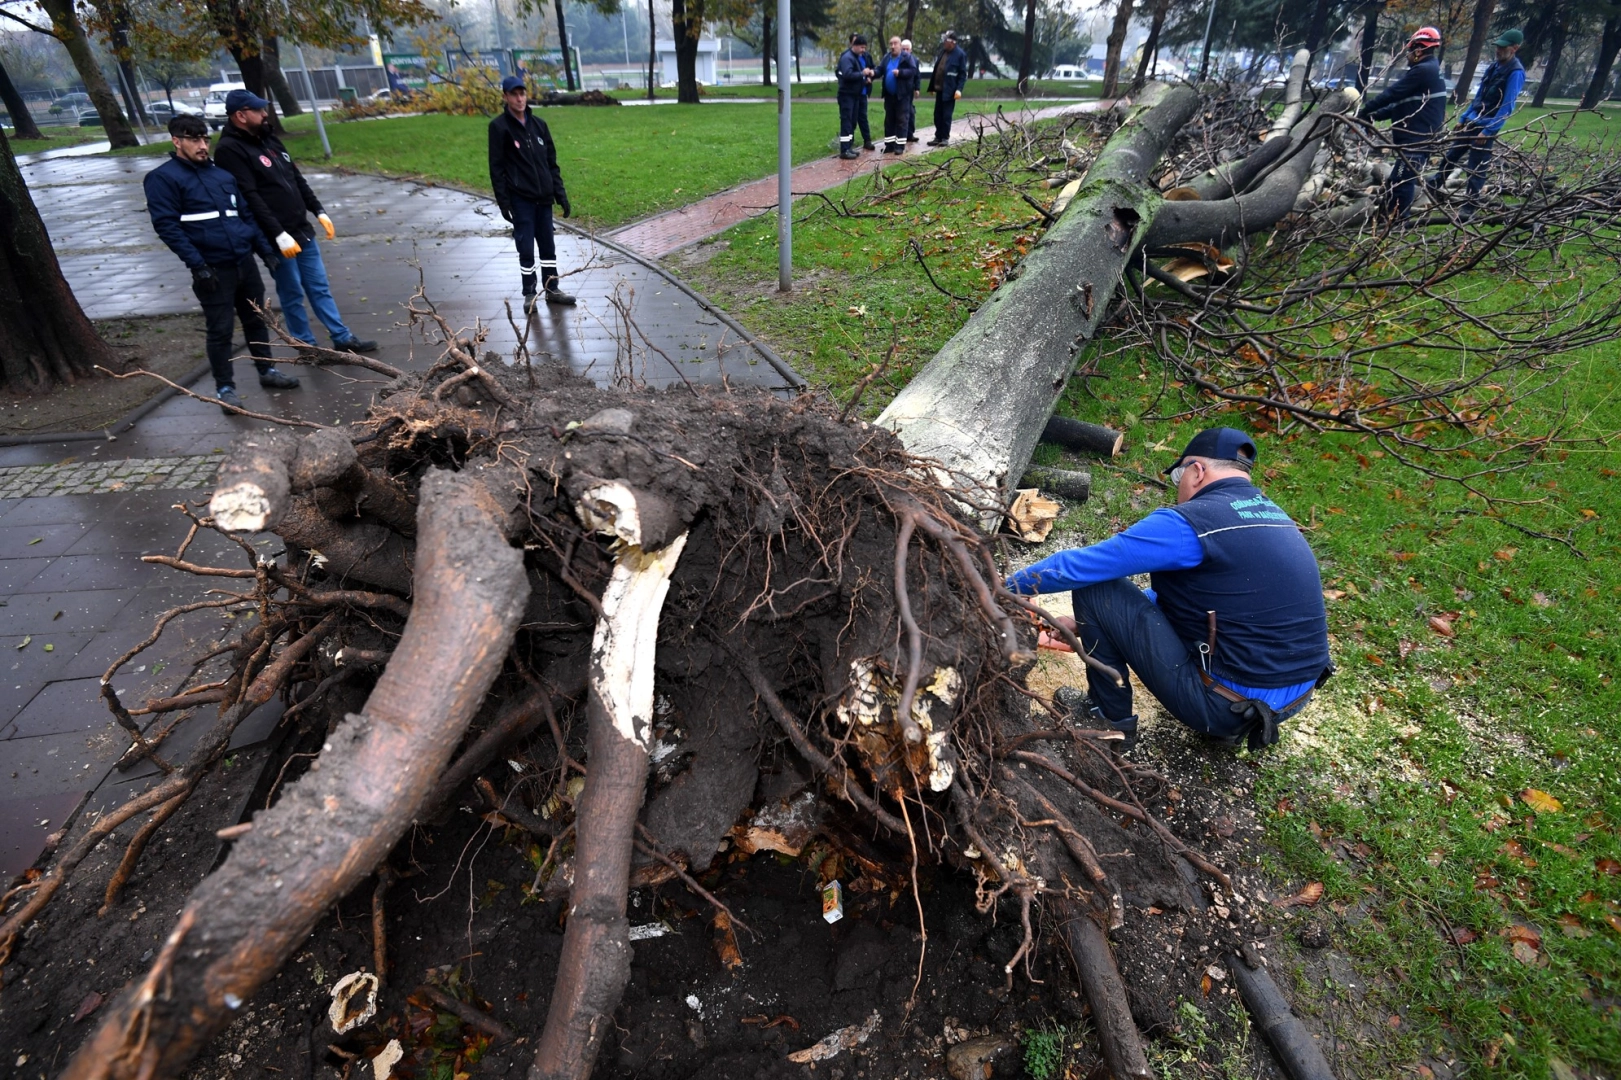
[833, 901]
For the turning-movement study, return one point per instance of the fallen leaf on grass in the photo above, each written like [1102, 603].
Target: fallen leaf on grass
[1204, 986]
[1306, 897]
[1524, 953]
[1571, 926]
[1442, 626]
[1614, 921]
[1464, 936]
[1607, 866]
[1333, 594]
[1505, 554]
[1541, 801]
[1540, 599]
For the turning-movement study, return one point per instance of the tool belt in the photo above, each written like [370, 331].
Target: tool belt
[1263, 730]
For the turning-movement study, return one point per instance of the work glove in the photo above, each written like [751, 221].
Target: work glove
[204, 279]
[289, 247]
[326, 223]
[563, 205]
[270, 264]
[1261, 722]
[506, 215]
[956, 95]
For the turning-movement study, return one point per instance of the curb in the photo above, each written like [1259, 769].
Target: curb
[129, 419]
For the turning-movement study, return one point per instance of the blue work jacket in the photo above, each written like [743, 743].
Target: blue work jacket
[198, 212]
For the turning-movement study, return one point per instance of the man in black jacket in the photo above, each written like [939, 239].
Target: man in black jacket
[527, 182]
[281, 201]
[197, 211]
[950, 73]
[854, 76]
[1416, 105]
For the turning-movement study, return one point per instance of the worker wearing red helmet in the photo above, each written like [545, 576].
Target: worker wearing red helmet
[1416, 105]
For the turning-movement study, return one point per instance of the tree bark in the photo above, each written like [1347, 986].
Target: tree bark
[1477, 42]
[686, 22]
[1370, 37]
[1556, 49]
[1151, 46]
[335, 825]
[69, 31]
[1116, 41]
[1317, 28]
[1608, 45]
[765, 44]
[45, 337]
[1106, 993]
[21, 119]
[562, 42]
[1082, 436]
[285, 96]
[979, 407]
[1294, 95]
[911, 19]
[1027, 54]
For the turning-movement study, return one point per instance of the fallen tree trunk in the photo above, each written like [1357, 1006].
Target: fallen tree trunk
[332, 828]
[1294, 96]
[1225, 221]
[977, 409]
[1082, 436]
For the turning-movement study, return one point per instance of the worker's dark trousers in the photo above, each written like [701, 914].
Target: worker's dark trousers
[848, 105]
[861, 120]
[944, 106]
[1479, 157]
[1123, 628]
[894, 123]
[911, 119]
[1411, 157]
[531, 225]
[239, 293]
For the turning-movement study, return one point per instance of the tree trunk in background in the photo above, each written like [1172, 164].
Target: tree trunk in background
[765, 45]
[252, 66]
[1556, 48]
[1370, 37]
[1117, 39]
[1317, 28]
[1536, 29]
[286, 97]
[911, 18]
[1151, 46]
[686, 22]
[1606, 60]
[45, 337]
[65, 21]
[1477, 42]
[1029, 46]
[652, 49]
[562, 41]
[21, 119]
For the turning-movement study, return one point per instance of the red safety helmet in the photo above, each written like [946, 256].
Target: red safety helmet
[1425, 37]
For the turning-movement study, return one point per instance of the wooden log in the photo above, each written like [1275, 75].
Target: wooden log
[978, 407]
[327, 465]
[1294, 97]
[251, 492]
[1295, 1045]
[333, 827]
[1106, 994]
[1082, 436]
[1233, 177]
[1065, 483]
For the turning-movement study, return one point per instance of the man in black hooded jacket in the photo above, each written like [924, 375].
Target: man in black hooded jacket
[527, 182]
[1416, 104]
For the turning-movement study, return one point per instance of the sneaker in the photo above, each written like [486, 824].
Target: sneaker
[272, 379]
[529, 302]
[355, 345]
[561, 298]
[228, 400]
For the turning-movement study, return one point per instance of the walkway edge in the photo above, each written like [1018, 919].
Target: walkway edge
[118, 427]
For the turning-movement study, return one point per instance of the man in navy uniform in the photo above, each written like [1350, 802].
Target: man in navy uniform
[198, 212]
[1232, 638]
[950, 73]
[854, 76]
[1416, 105]
[527, 183]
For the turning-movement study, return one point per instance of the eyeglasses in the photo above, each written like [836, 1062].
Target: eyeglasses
[1176, 473]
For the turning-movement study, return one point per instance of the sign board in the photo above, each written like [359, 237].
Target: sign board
[542, 68]
[412, 69]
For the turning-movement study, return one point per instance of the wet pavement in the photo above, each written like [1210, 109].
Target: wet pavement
[76, 517]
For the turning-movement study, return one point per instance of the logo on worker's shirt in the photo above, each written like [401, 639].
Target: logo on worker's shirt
[264, 159]
[516, 145]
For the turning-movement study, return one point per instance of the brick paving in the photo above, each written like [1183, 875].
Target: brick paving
[662, 234]
[108, 477]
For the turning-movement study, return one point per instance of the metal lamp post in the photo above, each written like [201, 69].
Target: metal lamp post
[785, 157]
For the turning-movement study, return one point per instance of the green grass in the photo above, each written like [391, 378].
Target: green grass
[975, 89]
[1414, 791]
[55, 138]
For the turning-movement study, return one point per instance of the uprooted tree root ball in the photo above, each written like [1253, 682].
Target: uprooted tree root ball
[732, 588]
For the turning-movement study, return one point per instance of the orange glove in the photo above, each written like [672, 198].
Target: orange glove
[326, 223]
[289, 247]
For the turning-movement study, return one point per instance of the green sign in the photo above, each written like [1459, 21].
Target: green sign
[541, 68]
[409, 68]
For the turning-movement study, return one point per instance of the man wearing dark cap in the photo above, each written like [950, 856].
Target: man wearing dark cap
[281, 201]
[527, 182]
[198, 212]
[1232, 637]
[950, 73]
[1476, 133]
[854, 76]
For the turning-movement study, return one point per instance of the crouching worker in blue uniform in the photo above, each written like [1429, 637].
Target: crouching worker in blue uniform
[198, 212]
[1232, 638]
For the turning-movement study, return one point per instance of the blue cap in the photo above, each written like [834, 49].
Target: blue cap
[511, 83]
[1221, 443]
[244, 99]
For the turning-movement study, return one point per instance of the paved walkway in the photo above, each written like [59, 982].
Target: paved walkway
[658, 236]
[75, 517]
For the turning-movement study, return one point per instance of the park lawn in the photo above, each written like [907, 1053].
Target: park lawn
[1046, 89]
[1465, 785]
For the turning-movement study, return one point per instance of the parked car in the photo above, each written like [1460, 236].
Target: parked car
[162, 112]
[214, 103]
[89, 118]
[72, 104]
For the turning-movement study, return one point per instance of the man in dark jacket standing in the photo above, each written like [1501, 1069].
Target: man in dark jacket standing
[950, 74]
[899, 81]
[527, 182]
[1416, 105]
[854, 76]
[1476, 133]
[198, 212]
[1233, 637]
[281, 201]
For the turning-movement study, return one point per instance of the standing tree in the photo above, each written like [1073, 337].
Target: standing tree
[1116, 40]
[286, 97]
[1609, 44]
[1557, 33]
[1477, 42]
[1151, 46]
[1029, 46]
[66, 28]
[21, 119]
[45, 337]
[686, 24]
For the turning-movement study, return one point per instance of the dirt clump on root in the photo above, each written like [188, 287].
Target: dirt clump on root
[835, 695]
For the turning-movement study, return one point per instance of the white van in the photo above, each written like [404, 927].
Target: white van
[1072, 73]
[214, 103]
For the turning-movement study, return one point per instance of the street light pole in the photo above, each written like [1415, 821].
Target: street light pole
[309, 85]
[785, 158]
